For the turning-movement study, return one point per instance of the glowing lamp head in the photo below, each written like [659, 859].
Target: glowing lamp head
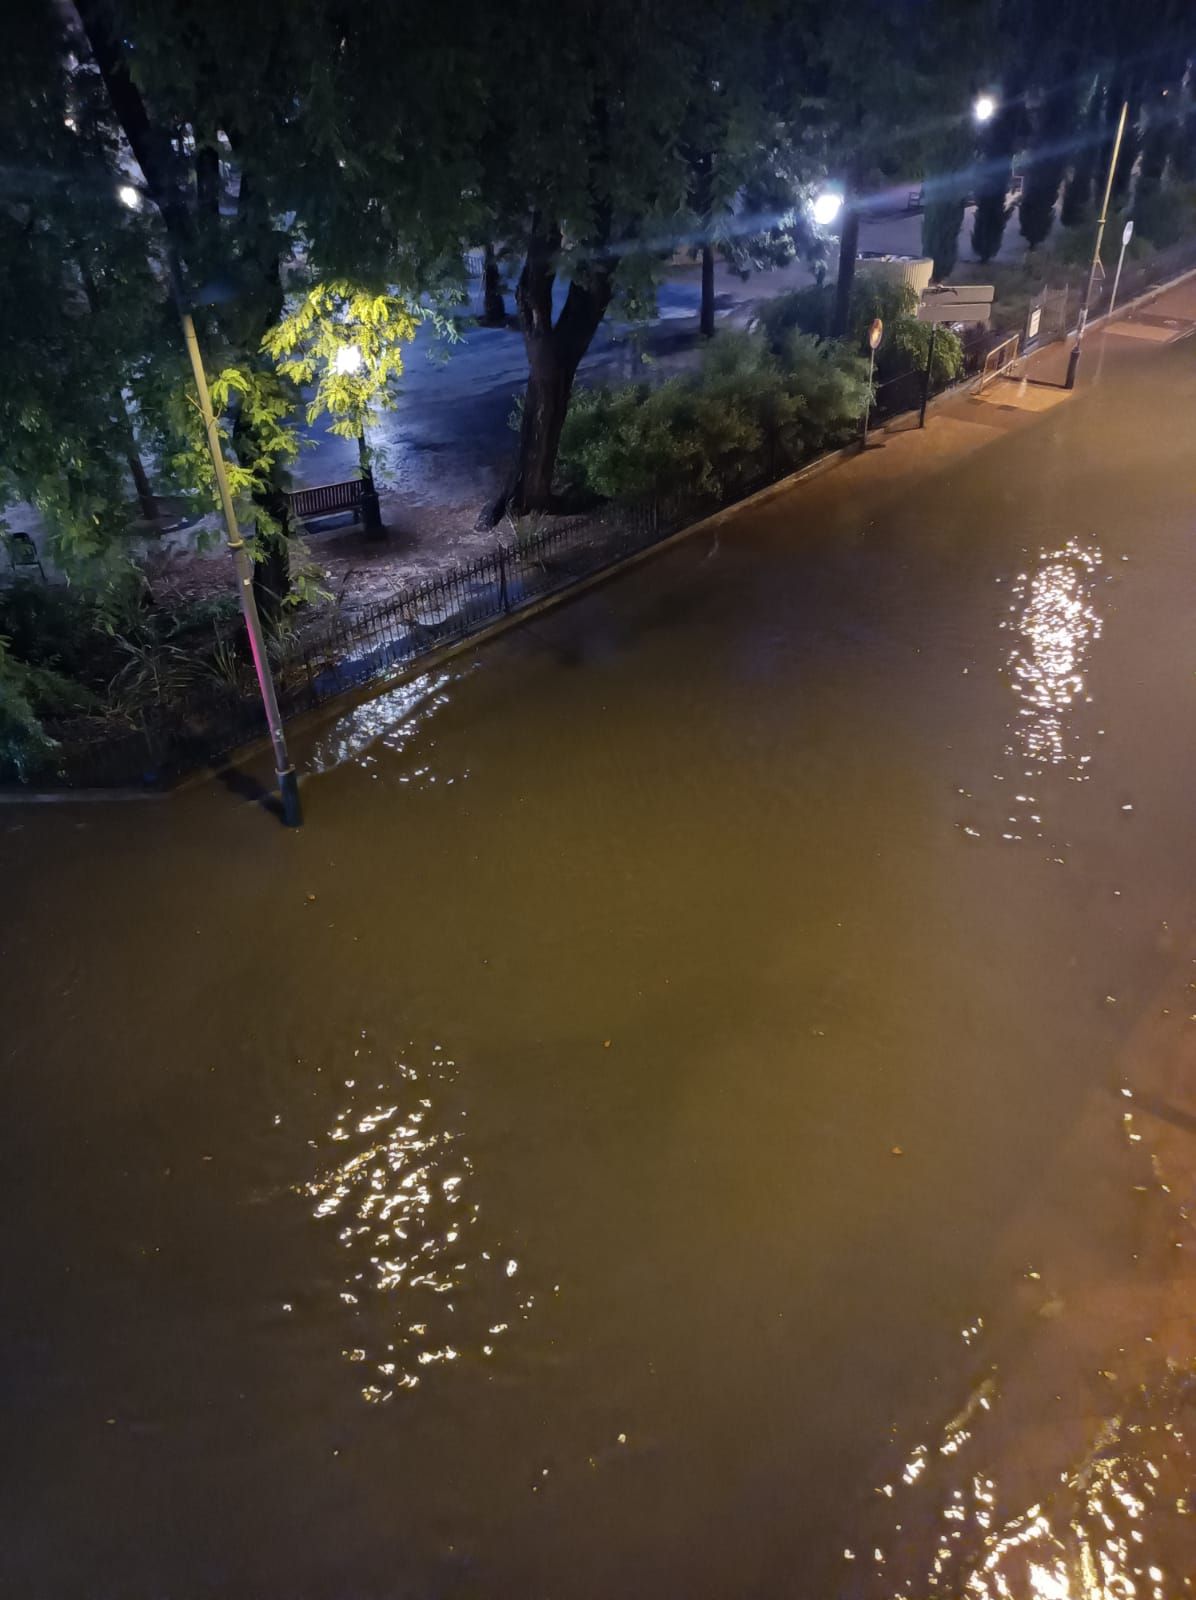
[129, 196]
[347, 360]
[984, 108]
[827, 207]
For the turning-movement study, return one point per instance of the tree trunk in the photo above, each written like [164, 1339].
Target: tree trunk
[707, 318]
[494, 309]
[849, 242]
[145, 494]
[271, 577]
[207, 181]
[149, 142]
[554, 351]
[371, 511]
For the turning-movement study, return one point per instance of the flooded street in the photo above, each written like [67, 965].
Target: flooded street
[659, 1129]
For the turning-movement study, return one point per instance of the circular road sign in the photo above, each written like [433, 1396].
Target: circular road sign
[875, 333]
[1127, 233]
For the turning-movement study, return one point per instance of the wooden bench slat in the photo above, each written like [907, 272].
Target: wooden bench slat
[325, 499]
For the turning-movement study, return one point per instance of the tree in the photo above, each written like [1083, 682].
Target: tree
[80, 315]
[582, 173]
[348, 343]
[879, 64]
[942, 219]
[1052, 121]
[297, 101]
[744, 166]
[993, 174]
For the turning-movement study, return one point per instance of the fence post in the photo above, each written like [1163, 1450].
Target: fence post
[926, 381]
[503, 598]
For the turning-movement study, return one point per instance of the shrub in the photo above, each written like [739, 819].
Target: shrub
[1163, 216]
[23, 744]
[750, 411]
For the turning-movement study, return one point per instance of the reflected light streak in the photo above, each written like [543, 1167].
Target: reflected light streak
[1057, 626]
[421, 1292]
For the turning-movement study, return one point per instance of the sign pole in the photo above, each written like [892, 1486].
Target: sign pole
[1073, 361]
[876, 333]
[1127, 233]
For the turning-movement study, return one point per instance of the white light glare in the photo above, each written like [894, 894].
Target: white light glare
[827, 207]
[985, 108]
[347, 359]
[128, 196]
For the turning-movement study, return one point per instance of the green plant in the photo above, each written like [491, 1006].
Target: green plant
[153, 674]
[1163, 216]
[24, 745]
[750, 411]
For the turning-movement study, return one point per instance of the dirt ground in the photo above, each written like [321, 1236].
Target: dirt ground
[418, 540]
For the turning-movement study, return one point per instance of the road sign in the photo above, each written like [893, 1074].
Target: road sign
[875, 333]
[1127, 233]
[1033, 324]
[957, 302]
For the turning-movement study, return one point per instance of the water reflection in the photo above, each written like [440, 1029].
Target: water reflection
[1118, 1525]
[1056, 625]
[421, 1284]
[389, 720]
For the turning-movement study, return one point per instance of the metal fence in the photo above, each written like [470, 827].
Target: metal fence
[357, 648]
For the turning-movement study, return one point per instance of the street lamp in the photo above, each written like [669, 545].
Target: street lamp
[984, 108]
[347, 362]
[826, 207]
[129, 196]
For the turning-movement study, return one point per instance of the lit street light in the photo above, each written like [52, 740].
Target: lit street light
[347, 362]
[984, 108]
[826, 207]
[129, 196]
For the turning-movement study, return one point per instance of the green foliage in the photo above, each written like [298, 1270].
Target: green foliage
[68, 653]
[941, 222]
[347, 341]
[906, 341]
[747, 413]
[988, 223]
[23, 743]
[1165, 215]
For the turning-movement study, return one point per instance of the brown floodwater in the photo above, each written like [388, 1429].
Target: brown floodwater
[660, 1128]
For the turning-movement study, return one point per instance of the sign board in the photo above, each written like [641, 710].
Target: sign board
[1033, 324]
[957, 302]
[875, 333]
[1127, 233]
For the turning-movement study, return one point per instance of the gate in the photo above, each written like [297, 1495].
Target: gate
[1046, 319]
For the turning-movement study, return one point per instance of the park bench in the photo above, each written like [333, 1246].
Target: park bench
[329, 500]
[22, 552]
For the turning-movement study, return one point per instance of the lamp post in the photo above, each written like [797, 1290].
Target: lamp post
[347, 362]
[1073, 361]
[288, 783]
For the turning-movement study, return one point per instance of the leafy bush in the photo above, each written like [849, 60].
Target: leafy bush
[906, 341]
[66, 653]
[750, 411]
[1164, 216]
[23, 744]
